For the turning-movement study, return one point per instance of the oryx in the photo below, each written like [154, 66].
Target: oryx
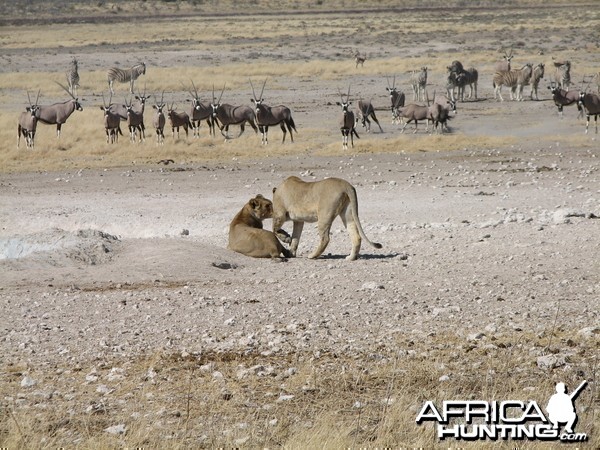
[58, 113]
[347, 123]
[225, 115]
[28, 122]
[275, 115]
[200, 111]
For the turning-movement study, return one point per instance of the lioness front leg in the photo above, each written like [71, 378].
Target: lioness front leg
[296, 233]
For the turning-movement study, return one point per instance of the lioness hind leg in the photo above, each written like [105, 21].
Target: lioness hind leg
[324, 234]
[356, 240]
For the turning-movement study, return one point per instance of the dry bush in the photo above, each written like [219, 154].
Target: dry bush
[293, 401]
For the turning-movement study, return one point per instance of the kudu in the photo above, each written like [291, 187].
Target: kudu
[178, 119]
[225, 115]
[200, 111]
[58, 113]
[28, 123]
[396, 97]
[112, 122]
[267, 116]
[347, 123]
[159, 120]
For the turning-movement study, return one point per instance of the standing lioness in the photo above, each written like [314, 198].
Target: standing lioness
[320, 201]
[247, 236]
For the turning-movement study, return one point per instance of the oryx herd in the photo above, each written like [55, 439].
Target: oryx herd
[437, 111]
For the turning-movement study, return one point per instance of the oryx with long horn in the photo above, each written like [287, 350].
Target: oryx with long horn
[347, 123]
[200, 111]
[271, 115]
[178, 119]
[225, 115]
[28, 122]
[58, 113]
[112, 122]
[159, 120]
[398, 98]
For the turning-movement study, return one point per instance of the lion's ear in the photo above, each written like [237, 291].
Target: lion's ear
[274, 189]
[253, 203]
[259, 196]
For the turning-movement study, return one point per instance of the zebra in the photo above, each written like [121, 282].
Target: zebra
[514, 79]
[563, 74]
[73, 78]
[419, 83]
[123, 76]
[536, 76]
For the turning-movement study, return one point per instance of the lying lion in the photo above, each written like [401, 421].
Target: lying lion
[246, 234]
[321, 202]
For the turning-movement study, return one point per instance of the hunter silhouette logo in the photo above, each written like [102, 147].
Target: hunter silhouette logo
[561, 408]
[510, 419]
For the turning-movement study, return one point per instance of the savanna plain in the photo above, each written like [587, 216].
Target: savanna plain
[126, 322]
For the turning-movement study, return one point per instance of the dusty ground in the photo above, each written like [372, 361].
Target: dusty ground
[102, 267]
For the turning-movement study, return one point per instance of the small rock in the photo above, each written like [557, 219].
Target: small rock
[444, 378]
[116, 429]
[284, 398]
[28, 382]
[589, 332]
[550, 361]
[371, 286]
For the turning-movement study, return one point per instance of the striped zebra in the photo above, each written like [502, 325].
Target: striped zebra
[418, 82]
[514, 79]
[124, 76]
[563, 74]
[536, 76]
[73, 78]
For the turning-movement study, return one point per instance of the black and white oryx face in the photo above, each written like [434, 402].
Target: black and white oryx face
[345, 106]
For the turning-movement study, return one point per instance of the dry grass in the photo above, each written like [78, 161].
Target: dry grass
[338, 401]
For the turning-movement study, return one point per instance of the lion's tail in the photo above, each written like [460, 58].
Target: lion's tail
[351, 192]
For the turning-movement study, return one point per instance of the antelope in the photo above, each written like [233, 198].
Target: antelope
[504, 66]
[112, 122]
[442, 115]
[58, 113]
[200, 111]
[564, 98]
[397, 99]
[347, 123]
[225, 115]
[159, 120]
[514, 79]
[359, 59]
[591, 104]
[419, 83]
[562, 76]
[124, 76]
[135, 117]
[271, 115]
[366, 110]
[73, 77]
[178, 119]
[414, 112]
[28, 123]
